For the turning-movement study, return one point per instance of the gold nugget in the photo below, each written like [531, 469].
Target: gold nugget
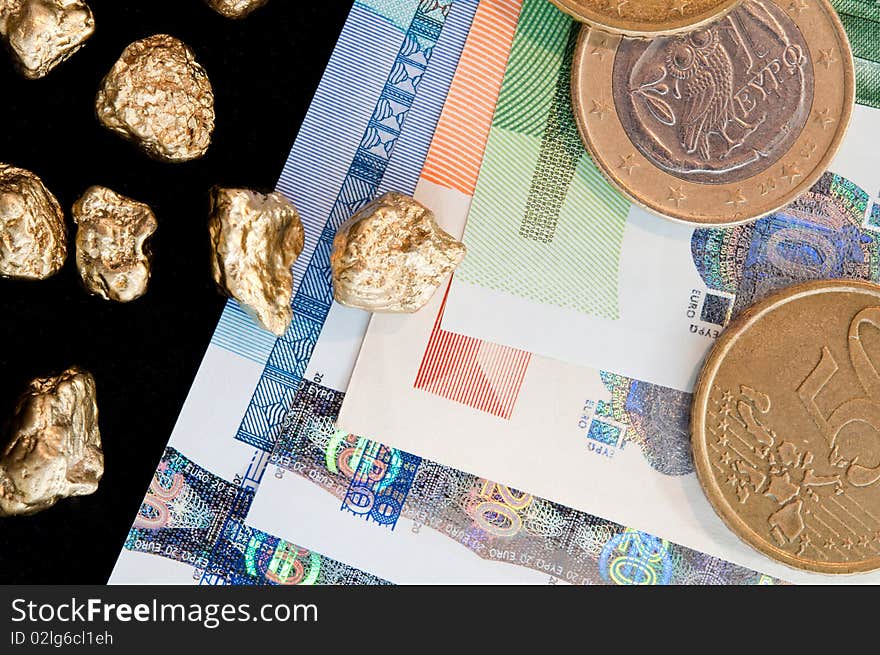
[33, 241]
[43, 33]
[55, 447]
[158, 96]
[256, 239]
[111, 249]
[392, 256]
[235, 8]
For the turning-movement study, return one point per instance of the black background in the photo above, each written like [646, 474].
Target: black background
[144, 355]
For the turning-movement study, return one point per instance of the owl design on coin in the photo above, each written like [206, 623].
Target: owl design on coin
[702, 71]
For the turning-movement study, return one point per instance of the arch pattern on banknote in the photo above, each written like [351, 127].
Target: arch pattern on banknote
[823, 234]
[720, 104]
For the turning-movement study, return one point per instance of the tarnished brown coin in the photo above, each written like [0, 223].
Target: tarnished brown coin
[723, 124]
[645, 17]
[786, 426]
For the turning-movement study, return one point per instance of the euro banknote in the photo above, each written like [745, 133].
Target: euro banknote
[619, 289]
[594, 440]
[412, 521]
[407, 519]
[367, 131]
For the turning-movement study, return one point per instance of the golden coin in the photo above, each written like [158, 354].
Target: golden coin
[645, 17]
[786, 427]
[723, 124]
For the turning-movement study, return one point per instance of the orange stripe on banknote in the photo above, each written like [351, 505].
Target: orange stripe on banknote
[460, 139]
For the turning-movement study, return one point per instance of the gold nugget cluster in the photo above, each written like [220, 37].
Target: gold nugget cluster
[54, 448]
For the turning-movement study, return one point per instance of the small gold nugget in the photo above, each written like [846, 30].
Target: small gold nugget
[256, 239]
[110, 244]
[55, 447]
[158, 96]
[235, 8]
[392, 256]
[43, 33]
[33, 241]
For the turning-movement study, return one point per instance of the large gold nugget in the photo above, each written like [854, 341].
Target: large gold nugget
[110, 244]
[33, 240]
[235, 8]
[392, 256]
[786, 427]
[55, 446]
[724, 124]
[160, 98]
[43, 33]
[256, 239]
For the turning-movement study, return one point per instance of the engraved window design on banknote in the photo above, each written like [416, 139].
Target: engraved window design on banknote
[720, 104]
[823, 234]
[561, 150]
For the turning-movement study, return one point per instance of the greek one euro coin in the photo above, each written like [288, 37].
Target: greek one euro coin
[723, 124]
[786, 427]
[645, 18]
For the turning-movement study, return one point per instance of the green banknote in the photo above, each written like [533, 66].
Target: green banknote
[541, 199]
[861, 18]
[536, 169]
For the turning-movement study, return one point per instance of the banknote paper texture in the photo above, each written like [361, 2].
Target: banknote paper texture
[559, 265]
[598, 441]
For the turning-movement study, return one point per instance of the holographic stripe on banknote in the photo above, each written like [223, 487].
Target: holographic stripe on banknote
[372, 118]
[496, 523]
[188, 508]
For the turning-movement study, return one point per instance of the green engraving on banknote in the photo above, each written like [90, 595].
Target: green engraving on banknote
[861, 18]
[540, 201]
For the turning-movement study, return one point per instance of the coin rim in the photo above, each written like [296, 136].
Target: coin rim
[698, 432]
[620, 27]
[821, 167]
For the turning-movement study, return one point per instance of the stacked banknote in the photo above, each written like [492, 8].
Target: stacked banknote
[448, 446]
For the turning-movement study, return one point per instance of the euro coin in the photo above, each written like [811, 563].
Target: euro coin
[723, 124]
[786, 426]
